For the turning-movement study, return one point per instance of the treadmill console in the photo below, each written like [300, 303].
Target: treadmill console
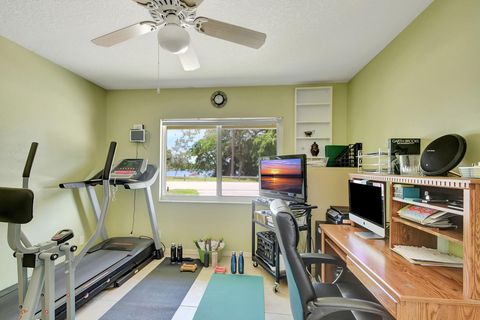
[129, 169]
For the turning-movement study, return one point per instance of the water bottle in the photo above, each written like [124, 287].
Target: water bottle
[173, 253]
[206, 258]
[179, 253]
[240, 262]
[214, 259]
[233, 263]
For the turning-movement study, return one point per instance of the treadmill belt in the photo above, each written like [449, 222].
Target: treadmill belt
[157, 296]
[9, 306]
[90, 266]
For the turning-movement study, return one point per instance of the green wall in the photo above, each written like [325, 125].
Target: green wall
[40, 101]
[183, 222]
[425, 83]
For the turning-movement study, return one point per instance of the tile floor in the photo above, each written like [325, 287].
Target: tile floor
[277, 305]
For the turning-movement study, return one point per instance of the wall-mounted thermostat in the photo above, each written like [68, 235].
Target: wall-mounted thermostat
[137, 134]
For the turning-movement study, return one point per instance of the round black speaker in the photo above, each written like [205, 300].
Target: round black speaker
[443, 154]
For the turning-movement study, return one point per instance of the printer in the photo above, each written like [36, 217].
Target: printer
[338, 215]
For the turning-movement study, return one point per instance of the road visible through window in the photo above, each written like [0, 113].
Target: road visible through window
[192, 160]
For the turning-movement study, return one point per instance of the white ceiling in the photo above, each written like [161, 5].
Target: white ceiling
[307, 40]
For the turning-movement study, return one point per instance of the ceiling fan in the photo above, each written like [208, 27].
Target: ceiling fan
[171, 18]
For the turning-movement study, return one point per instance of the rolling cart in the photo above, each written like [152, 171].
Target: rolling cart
[265, 249]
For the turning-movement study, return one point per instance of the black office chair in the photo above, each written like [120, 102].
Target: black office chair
[315, 301]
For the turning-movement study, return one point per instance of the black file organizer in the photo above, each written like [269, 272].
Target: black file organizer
[266, 258]
[348, 157]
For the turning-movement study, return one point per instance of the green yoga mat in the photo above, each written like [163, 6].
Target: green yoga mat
[232, 297]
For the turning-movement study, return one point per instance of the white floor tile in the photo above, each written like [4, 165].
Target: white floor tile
[184, 313]
[274, 316]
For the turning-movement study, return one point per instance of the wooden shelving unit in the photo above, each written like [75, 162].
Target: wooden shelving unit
[430, 206]
[455, 235]
[313, 112]
[405, 232]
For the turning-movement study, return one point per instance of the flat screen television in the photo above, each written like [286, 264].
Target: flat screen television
[367, 207]
[284, 177]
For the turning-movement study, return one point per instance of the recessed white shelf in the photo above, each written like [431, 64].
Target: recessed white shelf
[313, 112]
[313, 138]
[313, 122]
[313, 104]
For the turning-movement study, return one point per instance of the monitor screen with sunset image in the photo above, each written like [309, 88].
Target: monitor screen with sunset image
[283, 177]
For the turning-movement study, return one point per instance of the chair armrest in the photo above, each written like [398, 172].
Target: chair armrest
[322, 307]
[314, 258]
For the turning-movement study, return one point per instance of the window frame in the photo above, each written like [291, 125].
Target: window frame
[218, 123]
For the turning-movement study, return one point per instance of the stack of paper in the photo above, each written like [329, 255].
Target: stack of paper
[264, 216]
[427, 217]
[428, 257]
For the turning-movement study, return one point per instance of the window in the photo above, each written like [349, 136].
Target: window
[215, 159]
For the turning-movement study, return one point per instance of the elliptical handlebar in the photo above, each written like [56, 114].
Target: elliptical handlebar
[30, 158]
[108, 164]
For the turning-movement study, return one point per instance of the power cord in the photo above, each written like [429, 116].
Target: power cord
[146, 144]
[113, 190]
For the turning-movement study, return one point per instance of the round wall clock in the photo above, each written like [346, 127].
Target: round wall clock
[218, 99]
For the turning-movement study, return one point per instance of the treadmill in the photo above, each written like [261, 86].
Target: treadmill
[112, 261]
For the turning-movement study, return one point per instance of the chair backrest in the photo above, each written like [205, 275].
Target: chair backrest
[16, 205]
[300, 287]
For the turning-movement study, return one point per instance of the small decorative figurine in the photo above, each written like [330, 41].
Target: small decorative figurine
[314, 150]
[308, 133]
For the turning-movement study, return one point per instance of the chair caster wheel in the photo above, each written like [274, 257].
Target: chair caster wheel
[255, 264]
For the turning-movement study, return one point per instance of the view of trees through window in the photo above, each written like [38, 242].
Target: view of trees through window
[192, 160]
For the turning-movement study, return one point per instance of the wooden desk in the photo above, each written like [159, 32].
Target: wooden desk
[408, 292]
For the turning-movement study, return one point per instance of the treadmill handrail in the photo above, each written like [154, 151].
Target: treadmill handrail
[100, 225]
[73, 185]
[142, 184]
[128, 184]
[109, 163]
[106, 204]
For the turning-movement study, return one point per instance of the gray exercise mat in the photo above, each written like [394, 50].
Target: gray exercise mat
[157, 296]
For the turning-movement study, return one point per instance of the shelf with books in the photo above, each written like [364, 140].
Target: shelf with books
[440, 207]
[455, 235]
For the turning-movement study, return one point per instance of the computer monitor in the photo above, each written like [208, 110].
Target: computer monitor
[284, 177]
[367, 207]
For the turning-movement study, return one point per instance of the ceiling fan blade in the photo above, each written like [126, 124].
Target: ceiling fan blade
[142, 2]
[192, 3]
[124, 34]
[189, 59]
[230, 32]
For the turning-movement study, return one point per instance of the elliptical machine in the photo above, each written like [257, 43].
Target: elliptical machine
[16, 209]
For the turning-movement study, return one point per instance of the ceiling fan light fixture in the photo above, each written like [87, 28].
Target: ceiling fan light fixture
[173, 38]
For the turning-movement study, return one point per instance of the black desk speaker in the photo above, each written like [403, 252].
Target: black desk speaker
[443, 154]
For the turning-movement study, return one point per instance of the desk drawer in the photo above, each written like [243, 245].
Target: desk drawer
[386, 299]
